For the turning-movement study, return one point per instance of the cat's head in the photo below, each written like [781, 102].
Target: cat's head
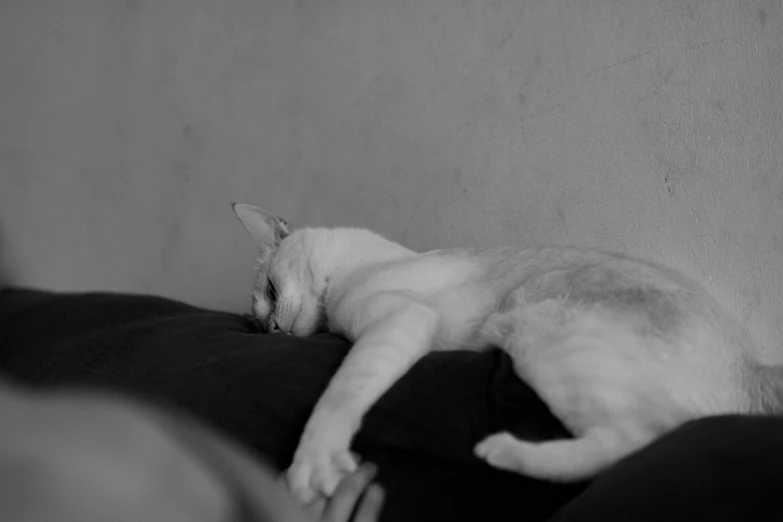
[288, 290]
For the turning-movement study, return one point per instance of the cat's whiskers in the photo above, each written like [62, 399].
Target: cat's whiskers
[241, 287]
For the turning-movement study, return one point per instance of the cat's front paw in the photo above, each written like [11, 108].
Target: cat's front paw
[318, 467]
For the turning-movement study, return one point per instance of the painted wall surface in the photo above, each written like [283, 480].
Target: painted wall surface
[652, 127]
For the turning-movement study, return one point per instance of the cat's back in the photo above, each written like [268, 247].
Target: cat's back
[465, 285]
[577, 275]
[614, 281]
[655, 298]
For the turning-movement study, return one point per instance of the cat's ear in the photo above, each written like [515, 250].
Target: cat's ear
[266, 229]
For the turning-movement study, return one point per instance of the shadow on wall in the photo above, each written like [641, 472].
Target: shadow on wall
[6, 270]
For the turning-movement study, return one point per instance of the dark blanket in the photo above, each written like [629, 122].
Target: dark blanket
[261, 388]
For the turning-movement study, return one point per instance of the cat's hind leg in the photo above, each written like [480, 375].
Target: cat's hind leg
[563, 460]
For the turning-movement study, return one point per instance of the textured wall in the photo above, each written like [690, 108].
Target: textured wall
[645, 126]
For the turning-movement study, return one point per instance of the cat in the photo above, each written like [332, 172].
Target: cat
[620, 349]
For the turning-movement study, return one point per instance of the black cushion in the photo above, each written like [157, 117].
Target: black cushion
[261, 388]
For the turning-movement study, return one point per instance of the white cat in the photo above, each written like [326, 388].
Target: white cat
[621, 350]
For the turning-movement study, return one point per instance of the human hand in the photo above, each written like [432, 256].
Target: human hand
[355, 488]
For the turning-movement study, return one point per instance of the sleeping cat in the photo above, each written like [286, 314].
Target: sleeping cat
[620, 349]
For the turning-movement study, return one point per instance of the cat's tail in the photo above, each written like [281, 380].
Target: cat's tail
[565, 460]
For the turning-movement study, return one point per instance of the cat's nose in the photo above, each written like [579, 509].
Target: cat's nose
[275, 328]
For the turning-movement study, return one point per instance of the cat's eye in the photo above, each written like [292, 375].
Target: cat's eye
[271, 291]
